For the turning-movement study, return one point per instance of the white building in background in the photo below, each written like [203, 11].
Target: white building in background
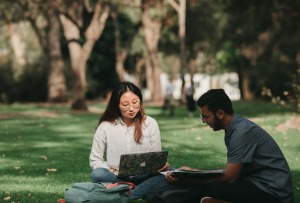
[202, 83]
[227, 81]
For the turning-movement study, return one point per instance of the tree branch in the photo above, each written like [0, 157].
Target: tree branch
[174, 4]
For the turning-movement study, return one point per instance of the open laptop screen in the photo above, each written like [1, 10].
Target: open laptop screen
[142, 163]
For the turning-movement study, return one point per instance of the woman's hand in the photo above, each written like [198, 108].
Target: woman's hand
[165, 168]
[115, 171]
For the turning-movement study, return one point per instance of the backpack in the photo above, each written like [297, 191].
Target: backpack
[98, 192]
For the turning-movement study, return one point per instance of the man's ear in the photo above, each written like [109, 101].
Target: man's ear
[220, 113]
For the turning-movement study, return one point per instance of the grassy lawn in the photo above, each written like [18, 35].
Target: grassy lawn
[45, 149]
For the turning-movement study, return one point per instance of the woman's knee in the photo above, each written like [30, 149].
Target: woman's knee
[101, 175]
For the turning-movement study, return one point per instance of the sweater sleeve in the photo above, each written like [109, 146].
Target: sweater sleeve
[98, 148]
[155, 142]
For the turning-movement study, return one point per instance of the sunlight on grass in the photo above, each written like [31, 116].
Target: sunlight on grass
[45, 149]
[25, 183]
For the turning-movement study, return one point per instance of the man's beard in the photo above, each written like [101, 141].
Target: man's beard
[216, 124]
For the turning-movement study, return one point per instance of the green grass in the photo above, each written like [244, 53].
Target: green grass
[44, 149]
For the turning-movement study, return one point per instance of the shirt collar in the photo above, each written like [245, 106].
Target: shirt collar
[232, 124]
[120, 121]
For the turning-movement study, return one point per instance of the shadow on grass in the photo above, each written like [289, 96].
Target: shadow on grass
[43, 154]
[55, 150]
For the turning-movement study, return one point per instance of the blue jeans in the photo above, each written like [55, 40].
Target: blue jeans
[144, 183]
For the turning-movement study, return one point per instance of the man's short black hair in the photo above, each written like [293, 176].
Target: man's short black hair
[216, 99]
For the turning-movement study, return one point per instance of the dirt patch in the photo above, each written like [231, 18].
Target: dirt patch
[293, 123]
[41, 114]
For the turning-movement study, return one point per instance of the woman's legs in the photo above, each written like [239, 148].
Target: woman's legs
[104, 175]
[155, 183]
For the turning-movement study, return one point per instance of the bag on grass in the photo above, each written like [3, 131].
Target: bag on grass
[98, 192]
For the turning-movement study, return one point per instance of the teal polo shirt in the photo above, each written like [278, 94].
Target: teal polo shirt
[264, 163]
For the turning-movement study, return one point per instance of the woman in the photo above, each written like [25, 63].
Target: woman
[124, 128]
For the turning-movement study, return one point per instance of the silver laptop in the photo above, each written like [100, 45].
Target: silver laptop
[142, 163]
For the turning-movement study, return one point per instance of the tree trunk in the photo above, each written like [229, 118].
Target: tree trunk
[139, 65]
[79, 55]
[121, 53]
[244, 84]
[181, 10]
[151, 37]
[18, 48]
[78, 63]
[149, 77]
[120, 58]
[181, 14]
[57, 90]
[192, 70]
[17, 44]
[50, 44]
[251, 52]
[296, 82]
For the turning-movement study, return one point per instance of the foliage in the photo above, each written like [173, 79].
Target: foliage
[45, 149]
[30, 86]
[276, 67]
[215, 32]
[101, 64]
[7, 92]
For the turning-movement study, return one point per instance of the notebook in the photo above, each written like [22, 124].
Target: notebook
[142, 163]
[182, 172]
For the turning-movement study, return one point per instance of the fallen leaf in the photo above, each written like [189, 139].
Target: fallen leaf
[7, 198]
[43, 157]
[51, 169]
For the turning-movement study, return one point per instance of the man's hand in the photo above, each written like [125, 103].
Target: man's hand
[171, 178]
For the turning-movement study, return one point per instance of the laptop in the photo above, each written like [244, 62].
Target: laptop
[142, 163]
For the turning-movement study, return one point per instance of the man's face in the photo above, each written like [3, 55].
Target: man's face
[210, 118]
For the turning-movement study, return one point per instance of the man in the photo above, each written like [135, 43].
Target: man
[256, 171]
[169, 99]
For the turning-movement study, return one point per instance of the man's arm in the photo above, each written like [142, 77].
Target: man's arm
[231, 174]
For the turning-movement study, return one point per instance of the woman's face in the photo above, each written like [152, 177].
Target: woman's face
[129, 105]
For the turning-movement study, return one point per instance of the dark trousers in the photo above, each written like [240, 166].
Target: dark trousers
[238, 192]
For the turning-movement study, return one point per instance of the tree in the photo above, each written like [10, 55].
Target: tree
[47, 35]
[152, 28]
[49, 38]
[56, 81]
[71, 19]
[251, 41]
[181, 10]
[121, 51]
[263, 37]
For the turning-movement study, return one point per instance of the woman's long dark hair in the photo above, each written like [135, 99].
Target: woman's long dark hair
[112, 111]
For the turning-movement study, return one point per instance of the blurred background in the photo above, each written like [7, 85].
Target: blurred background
[73, 51]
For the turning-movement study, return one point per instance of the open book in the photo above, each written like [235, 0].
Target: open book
[182, 172]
